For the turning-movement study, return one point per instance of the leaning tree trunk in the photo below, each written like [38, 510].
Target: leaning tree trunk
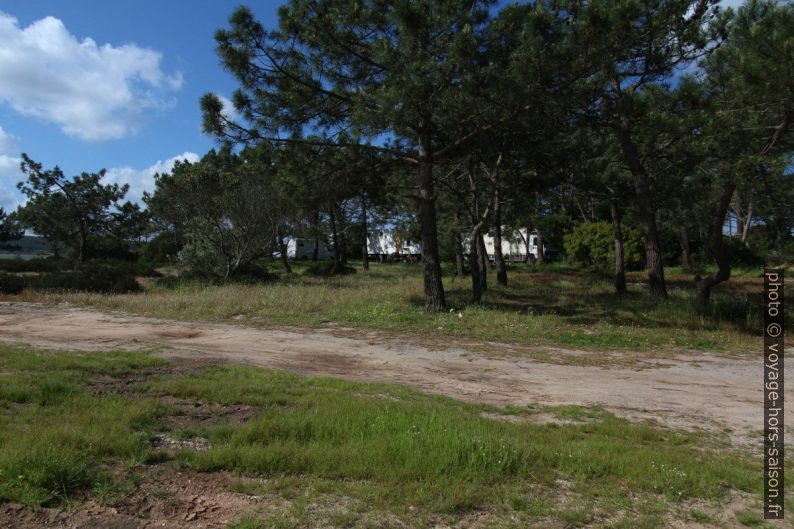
[335, 238]
[617, 230]
[723, 272]
[431, 264]
[365, 245]
[499, 260]
[647, 210]
[747, 221]
[686, 255]
[459, 266]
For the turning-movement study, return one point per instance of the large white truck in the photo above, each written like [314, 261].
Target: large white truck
[515, 245]
[387, 245]
[302, 249]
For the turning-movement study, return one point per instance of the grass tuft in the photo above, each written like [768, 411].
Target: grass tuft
[550, 305]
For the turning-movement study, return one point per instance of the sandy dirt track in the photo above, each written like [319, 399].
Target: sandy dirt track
[698, 391]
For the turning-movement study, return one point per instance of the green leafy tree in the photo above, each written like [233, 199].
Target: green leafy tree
[632, 49]
[10, 230]
[67, 211]
[750, 83]
[382, 70]
[592, 244]
[225, 208]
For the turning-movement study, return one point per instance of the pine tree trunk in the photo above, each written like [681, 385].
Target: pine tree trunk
[316, 249]
[539, 240]
[653, 251]
[477, 269]
[499, 261]
[431, 264]
[341, 235]
[284, 261]
[647, 210]
[365, 246]
[483, 261]
[723, 272]
[686, 256]
[617, 230]
[459, 266]
[335, 239]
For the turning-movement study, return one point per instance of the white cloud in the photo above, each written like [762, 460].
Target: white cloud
[10, 173]
[93, 92]
[141, 180]
[228, 111]
[9, 144]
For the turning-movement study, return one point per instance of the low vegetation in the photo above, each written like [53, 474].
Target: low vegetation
[54, 433]
[345, 454]
[551, 305]
[108, 275]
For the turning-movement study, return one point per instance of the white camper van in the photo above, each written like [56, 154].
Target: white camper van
[515, 245]
[386, 245]
[302, 249]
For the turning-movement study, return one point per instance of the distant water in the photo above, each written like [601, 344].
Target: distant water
[23, 256]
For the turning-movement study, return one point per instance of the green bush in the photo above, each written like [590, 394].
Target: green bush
[13, 284]
[593, 244]
[327, 269]
[19, 265]
[161, 250]
[740, 254]
[90, 277]
[94, 276]
[554, 227]
[132, 268]
[253, 273]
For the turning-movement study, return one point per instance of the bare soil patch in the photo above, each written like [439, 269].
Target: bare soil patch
[700, 391]
[166, 498]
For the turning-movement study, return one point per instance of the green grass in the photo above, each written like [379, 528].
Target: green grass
[344, 454]
[554, 305]
[53, 432]
[394, 447]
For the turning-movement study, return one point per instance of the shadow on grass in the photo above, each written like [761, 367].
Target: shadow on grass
[585, 298]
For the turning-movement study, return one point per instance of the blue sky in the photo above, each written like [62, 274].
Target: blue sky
[91, 84]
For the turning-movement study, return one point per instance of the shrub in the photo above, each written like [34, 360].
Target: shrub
[131, 268]
[253, 273]
[111, 277]
[91, 277]
[554, 227]
[161, 250]
[19, 265]
[593, 244]
[327, 269]
[13, 284]
[740, 254]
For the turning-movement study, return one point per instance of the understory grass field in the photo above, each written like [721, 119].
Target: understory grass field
[343, 454]
[552, 305]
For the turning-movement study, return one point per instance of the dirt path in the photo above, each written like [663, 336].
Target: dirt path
[703, 391]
